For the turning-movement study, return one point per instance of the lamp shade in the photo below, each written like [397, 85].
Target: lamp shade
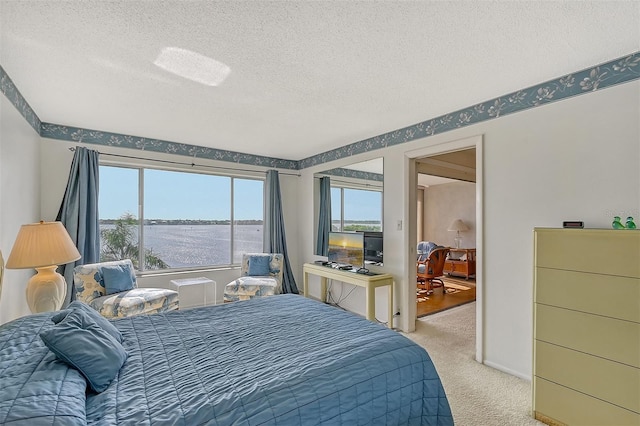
[42, 244]
[458, 225]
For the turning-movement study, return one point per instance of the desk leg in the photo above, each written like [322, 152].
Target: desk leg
[390, 322]
[371, 303]
[323, 289]
[305, 283]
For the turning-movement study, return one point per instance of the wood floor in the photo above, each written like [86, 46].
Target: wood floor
[437, 302]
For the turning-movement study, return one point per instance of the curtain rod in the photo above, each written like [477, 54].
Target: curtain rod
[72, 149]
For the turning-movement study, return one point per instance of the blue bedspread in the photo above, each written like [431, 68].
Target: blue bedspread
[275, 360]
[35, 387]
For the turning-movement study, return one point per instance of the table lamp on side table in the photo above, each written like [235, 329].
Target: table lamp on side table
[458, 225]
[43, 246]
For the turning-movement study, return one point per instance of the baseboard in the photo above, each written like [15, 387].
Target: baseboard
[507, 370]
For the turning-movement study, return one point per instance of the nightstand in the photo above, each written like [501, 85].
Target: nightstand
[194, 292]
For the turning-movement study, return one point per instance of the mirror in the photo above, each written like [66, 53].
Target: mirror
[356, 204]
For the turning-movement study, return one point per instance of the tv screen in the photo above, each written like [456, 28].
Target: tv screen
[373, 246]
[347, 248]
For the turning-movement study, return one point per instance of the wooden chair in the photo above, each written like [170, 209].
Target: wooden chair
[430, 270]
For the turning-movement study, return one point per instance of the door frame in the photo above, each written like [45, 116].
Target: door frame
[410, 182]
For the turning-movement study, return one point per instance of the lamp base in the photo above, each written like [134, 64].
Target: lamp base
[458, 242]
[46, 290]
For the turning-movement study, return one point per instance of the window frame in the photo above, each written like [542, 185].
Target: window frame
[257, 176]
[358, 187]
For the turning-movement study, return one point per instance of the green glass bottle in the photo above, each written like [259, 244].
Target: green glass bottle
[616, 223]
[630, 224]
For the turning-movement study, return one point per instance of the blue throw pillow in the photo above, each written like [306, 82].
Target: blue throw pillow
[80, 342]
[104, 323]
[118, 278]
[258, 265]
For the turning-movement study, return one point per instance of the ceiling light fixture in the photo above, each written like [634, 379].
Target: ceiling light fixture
[192, 66]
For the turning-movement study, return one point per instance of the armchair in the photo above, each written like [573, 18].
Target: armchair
[260, 275]
[423, 249]
[430, 269]
[89, 281]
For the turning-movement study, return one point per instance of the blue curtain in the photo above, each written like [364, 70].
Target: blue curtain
[324, 217]
[79, 213]
[274, 237]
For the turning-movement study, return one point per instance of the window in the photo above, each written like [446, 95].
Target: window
[355, 209]
[185, 220]
[248, 212]
[118, 208]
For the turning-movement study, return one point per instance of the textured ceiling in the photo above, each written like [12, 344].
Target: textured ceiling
[306, 77]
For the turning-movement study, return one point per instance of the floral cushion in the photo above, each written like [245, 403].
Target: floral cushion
[276, 261]
[249, 286]
[135, 302]
[245, 288]
[90, 289]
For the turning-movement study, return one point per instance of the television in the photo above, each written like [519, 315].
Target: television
[373, 246]
[346, 248]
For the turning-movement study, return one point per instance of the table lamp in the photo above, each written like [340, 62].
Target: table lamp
[43, 246]
[458, 225]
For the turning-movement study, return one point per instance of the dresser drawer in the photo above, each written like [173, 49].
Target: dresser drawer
[455, 266]
[610, 381]
[609, 338]
[574, 408]
[612, 296]
[589, 250]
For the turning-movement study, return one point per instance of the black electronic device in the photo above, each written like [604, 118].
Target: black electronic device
[373, 243]
[578, 224]
[345, 267]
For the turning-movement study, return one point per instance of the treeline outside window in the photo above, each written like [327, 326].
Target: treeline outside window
[178, 220]
[355, 209]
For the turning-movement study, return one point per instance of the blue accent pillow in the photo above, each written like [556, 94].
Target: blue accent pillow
[118, 278]
[80, 342]
[104, 323]
[258, 265]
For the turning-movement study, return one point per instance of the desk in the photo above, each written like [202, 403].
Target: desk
[369, 282]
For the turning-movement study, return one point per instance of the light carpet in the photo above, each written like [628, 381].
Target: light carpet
[478, 395]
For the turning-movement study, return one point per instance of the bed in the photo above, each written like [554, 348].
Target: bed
[275, 360]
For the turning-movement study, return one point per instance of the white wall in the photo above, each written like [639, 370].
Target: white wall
[577, 159]
[54, 180]
[442, 205]
[19, 200]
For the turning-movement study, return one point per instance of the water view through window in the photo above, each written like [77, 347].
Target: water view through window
[189, 220]
[355, 210]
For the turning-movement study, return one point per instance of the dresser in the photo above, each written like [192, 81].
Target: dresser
[586, 348]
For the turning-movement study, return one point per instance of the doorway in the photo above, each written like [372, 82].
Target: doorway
[414, 163]
[446, 205]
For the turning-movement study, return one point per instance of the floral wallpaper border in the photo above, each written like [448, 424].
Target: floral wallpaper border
[76, 134]
[355, 174]
[609, 74]
[9, 89]
[589, 80]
